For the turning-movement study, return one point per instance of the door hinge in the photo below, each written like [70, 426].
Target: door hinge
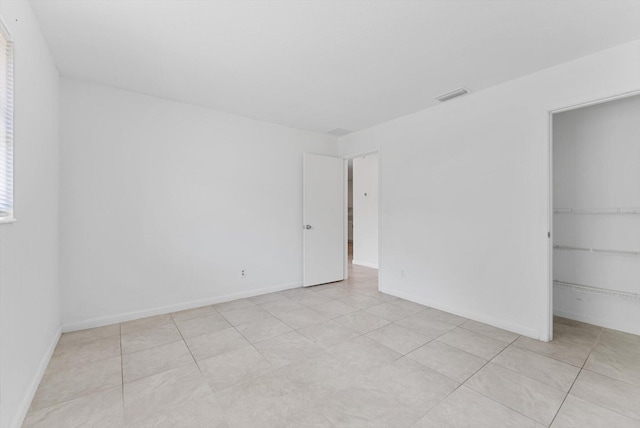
[548, 234]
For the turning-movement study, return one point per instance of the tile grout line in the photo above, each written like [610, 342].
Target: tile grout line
[484, 365]
[604, 375]
[253, 304]
[253, 345]
[578, 375]
[120, 336]
[273, 368]
[355, 337]
[494, 400]
[83, 395]
[402, 355]
[297, 331]
[543, 355]
[566, 393]
[154, 347]
[185, 344]
[122, 372]
[204, 378]
[581, 368]
[595, 343]
[461, 350]
[380, 302]
[465, 381]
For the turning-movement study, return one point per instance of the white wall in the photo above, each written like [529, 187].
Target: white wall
[365, 210]
[350, 201]
[596, 151]
[465, 192]
[164, 203]
[29, 290]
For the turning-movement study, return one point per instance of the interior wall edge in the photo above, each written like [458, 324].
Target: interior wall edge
[161, 310]
[30, 310]
[529, 101]
[475, 316]
[223, 113]
[218, 233]
[21, 412]
[365, 264]
[606, 322]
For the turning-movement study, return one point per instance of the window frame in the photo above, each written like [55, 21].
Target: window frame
[6, 140]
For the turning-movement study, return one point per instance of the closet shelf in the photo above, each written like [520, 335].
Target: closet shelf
[597, 290]
[596, 211]
[599, 251]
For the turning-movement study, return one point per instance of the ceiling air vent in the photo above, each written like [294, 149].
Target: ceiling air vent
[339, 132]
[453, 94]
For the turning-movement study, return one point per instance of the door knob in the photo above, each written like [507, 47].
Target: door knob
[307, 226]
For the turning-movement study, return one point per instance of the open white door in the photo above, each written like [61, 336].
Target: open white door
[323, 217]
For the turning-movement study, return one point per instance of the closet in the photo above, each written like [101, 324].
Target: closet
[596, 214]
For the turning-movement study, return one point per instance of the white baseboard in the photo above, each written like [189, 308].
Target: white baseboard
[515, 328]
[606, 322]
[134, 315]
[609, 311]
[22, 410]
[365, 264]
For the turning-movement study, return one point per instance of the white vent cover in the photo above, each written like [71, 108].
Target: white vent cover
[453, 94]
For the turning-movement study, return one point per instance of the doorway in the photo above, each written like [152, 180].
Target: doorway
[363, 216]
[595, 239]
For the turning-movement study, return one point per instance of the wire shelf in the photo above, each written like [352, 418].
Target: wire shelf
[623, 253]
[597, 290]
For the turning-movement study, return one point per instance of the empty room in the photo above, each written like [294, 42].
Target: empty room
[279, 213]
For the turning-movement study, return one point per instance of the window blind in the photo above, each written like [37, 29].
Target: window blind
[6, 123]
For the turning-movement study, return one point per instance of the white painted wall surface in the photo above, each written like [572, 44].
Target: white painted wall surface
[350, 201]
[596, 152]
[365, 210]
[465, 192]
[29, 288]
[164, 203]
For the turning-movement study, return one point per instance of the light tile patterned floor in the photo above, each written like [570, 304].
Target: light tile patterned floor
[339, 355]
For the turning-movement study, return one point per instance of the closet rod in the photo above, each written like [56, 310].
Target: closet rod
[598, 290]
[596, 211]
[599, 251]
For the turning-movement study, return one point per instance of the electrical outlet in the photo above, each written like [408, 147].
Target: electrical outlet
[243, 273]
[402, 273]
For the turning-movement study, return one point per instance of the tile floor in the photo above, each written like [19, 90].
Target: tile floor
[336, 355]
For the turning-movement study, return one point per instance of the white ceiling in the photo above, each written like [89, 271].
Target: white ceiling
[321, 65]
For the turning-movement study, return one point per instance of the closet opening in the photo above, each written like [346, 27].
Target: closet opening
[595, 237]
